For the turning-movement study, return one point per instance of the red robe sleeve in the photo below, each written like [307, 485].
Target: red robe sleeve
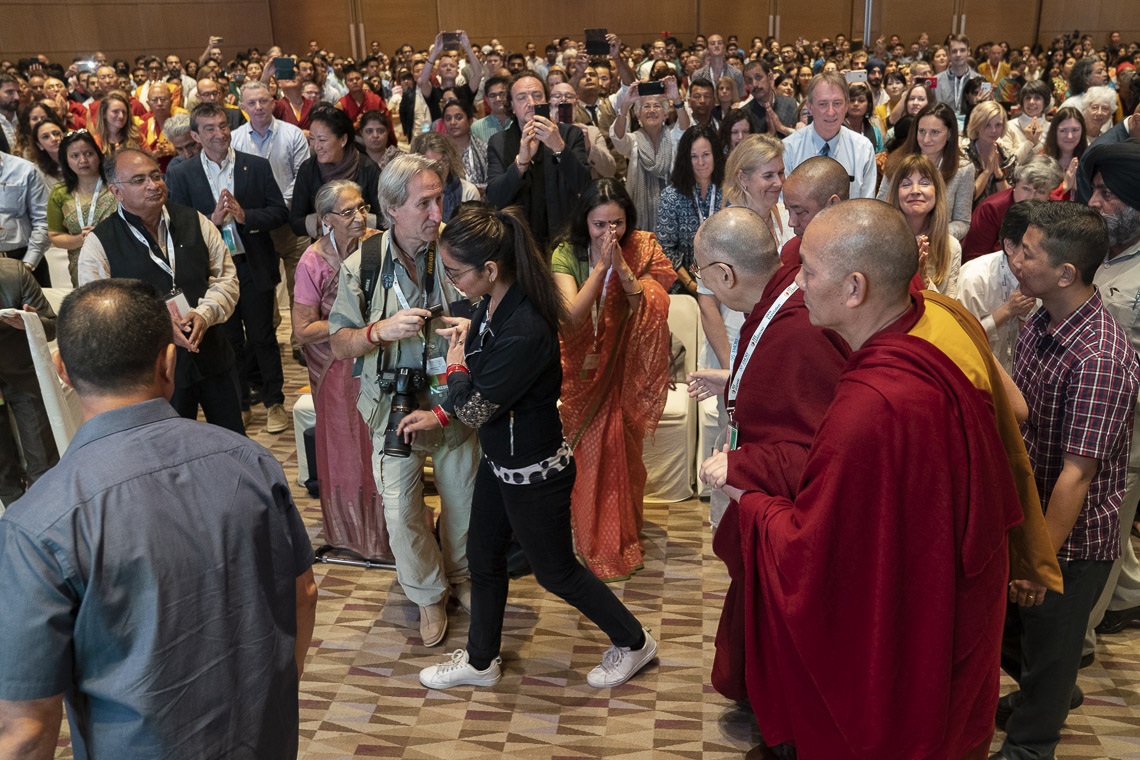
[876, 599]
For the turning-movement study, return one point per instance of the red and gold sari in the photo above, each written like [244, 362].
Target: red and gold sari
[607, 412]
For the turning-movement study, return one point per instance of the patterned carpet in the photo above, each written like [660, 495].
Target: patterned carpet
[361, 696]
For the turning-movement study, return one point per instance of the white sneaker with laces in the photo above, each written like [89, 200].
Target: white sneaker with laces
[619, 664]
[457, 671]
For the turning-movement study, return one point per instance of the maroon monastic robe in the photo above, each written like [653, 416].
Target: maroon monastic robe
[784, 393]
[875, 598]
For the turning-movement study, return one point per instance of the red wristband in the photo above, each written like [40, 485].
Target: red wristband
[441, 415]
[457, 368]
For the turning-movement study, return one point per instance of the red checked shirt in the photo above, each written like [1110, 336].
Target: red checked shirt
[1080, 381]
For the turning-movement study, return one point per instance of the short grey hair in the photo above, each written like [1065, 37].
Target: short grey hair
[255, 84]
[177, 125]
[396, 178]
[1042, 172]
[1101, 94]
[327, 196]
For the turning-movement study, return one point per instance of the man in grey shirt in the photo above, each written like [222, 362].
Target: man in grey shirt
[159, 578]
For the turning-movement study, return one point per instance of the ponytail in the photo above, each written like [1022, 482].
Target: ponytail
[478, 234]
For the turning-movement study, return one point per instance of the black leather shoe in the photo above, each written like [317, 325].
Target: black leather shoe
[1087, 660]
[1007, 704]
[1116, 621]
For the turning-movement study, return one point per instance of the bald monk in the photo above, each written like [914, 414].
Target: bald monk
[814, 185]
[777, 393]
[881, 586]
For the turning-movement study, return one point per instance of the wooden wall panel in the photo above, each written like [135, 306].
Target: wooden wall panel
[909, 20]
[295, 22]
[63, 29]
[1095, 17]
[516, 22]
[394, 22]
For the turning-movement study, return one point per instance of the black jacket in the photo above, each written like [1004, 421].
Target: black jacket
[308, 182]
[511, 394]
[548, 190]
[260, 198]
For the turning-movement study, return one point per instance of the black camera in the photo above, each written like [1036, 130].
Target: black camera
[403, 383]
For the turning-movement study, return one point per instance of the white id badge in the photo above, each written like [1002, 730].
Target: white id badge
[177, 304]
[437, 366]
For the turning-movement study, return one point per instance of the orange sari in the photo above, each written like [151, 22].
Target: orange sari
[608, 412]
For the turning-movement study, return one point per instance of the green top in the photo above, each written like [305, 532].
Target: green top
[62, 215]
[565, 261]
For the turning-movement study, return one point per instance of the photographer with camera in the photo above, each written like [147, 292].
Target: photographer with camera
[390, 291]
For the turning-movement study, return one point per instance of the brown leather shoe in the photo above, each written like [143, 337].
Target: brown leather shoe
[433, 622]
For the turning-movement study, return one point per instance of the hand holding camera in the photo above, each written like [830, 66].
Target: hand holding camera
[406, 323]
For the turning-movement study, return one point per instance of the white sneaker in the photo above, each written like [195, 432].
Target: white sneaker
[619, 664]
[457, 671]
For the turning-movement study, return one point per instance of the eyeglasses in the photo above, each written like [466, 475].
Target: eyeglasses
[349, 213]
[454, 276]
[697, 267]
[141, 179]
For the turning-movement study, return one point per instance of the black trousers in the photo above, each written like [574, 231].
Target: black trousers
[253, 337]
[539, 516]
[1041, 650]
[217, 395]
[38, 442]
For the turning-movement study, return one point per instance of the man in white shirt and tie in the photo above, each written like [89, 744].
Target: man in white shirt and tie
[827, 101]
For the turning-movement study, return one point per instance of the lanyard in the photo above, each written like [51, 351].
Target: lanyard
[164, 265]
[89, 220]
[712, 202]
[961, 83]
[428, 279]
[734, 386]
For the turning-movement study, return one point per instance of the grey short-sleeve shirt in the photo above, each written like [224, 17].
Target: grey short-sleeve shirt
[151, 578]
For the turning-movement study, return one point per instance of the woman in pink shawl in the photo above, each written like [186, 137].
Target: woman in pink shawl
[350, 505]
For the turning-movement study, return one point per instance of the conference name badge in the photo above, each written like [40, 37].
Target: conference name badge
[590, 365]
[177, 304]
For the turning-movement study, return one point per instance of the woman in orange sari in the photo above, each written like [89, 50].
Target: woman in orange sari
[615, 369]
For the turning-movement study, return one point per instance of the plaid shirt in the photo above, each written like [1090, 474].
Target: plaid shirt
[1080, 380]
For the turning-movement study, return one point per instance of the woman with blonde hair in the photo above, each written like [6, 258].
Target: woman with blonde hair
[754, 177]
[116, 128]
[992, 162]
[918, 191]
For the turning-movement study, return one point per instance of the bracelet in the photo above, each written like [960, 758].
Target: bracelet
[521, 166]
[457, 368]
[441, 415]
[380, 342]
[637, 292]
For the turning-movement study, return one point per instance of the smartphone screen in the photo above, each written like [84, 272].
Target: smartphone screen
[565, 113]
[543, 110]
[285, 68]
[858, 75]
[451, 41]
[651, 88]
[596, 44]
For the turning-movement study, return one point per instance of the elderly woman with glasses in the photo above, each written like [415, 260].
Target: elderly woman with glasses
[350, 504]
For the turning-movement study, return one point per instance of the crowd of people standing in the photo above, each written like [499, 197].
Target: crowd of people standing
[480, 248]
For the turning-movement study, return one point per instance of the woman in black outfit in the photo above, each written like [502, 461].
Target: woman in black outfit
[335, 156]
[504, 376]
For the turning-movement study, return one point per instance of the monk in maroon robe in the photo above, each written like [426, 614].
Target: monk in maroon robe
[877, 594]
[785, 385]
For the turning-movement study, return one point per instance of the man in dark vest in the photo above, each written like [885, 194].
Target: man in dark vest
[181, 254]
